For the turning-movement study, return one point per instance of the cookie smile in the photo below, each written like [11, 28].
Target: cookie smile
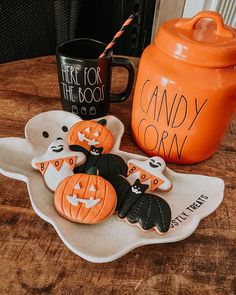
[58, 149]
[135, 190]
[94, 153]
[89, 203]
[153, 165]
[90, 142]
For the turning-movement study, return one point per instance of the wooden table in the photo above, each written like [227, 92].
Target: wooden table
[33, 259]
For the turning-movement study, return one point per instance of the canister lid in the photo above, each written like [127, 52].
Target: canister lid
[203, 40]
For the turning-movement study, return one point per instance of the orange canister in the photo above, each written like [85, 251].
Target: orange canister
[185, 93]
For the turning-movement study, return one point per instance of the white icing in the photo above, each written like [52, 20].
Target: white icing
[87, 129]
[96, 133]
[94, 153]
[156, 171]
[77, 186]
[89, 203]
[92, 188]
[52, 176]
[73, 200]
[90, 142]
[135, 190]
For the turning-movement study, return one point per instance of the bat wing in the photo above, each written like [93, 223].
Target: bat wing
[110, 164]
[121, 186]
[151, 211]
[107, 165]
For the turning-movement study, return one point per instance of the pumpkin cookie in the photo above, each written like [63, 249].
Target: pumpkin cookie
[85, 198]
[88, 133]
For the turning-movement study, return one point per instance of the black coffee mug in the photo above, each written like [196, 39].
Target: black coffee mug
[85, 80]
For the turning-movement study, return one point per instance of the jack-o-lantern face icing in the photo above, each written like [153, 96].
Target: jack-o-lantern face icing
[91, 133]
[57, 163]
[85, 198]
[149, 172]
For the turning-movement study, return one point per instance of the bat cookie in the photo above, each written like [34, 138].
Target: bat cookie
[57, 163]
[107, 164]
[146, 210]
[85, 198]
[88, 133]
[149, 172]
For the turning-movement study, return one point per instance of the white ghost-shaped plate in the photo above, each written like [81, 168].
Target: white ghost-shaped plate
[191, 198]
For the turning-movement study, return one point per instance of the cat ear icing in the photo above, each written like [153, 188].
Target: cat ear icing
[137, 182]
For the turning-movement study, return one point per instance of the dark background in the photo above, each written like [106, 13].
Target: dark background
[30, 28]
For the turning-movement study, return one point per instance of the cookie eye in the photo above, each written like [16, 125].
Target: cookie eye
[96, 133]
[92, 188]
[87, 129]
[45, 134]
[159, 164]
[64, 128]
[77, 186]
[152, 160]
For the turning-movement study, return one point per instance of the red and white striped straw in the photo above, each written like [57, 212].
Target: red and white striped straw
[117, 36]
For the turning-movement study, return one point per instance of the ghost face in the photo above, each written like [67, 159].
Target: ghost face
[48, 127]
[157, 163]
[58, 149]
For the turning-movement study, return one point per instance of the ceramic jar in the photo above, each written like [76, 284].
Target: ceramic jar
[185, 93]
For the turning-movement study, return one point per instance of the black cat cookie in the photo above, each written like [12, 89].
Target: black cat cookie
[107, 164]
[148, 211]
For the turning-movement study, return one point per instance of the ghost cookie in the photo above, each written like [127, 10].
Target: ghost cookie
[88, 133]
[149, 172]
[85, 198]
[57, 163]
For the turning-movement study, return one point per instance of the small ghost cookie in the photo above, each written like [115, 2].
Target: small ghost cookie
[57, 163]
[149, 172]
[85, 198]
[88, 133]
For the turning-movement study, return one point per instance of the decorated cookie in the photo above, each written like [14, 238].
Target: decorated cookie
[57, 163]
[149, 172]
[85, 198]
[107, 164]
[88, 133]
[146, 210]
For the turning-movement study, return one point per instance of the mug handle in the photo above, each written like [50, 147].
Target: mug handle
[125, 63]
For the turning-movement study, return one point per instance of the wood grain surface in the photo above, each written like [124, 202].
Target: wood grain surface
[33, 259]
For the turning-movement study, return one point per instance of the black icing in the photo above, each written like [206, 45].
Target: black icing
[58, 150]
[154, 165]
[96, 150]
[64, 128]
[139, 187]
[107, 164]
[45, 134]
[146, 209]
